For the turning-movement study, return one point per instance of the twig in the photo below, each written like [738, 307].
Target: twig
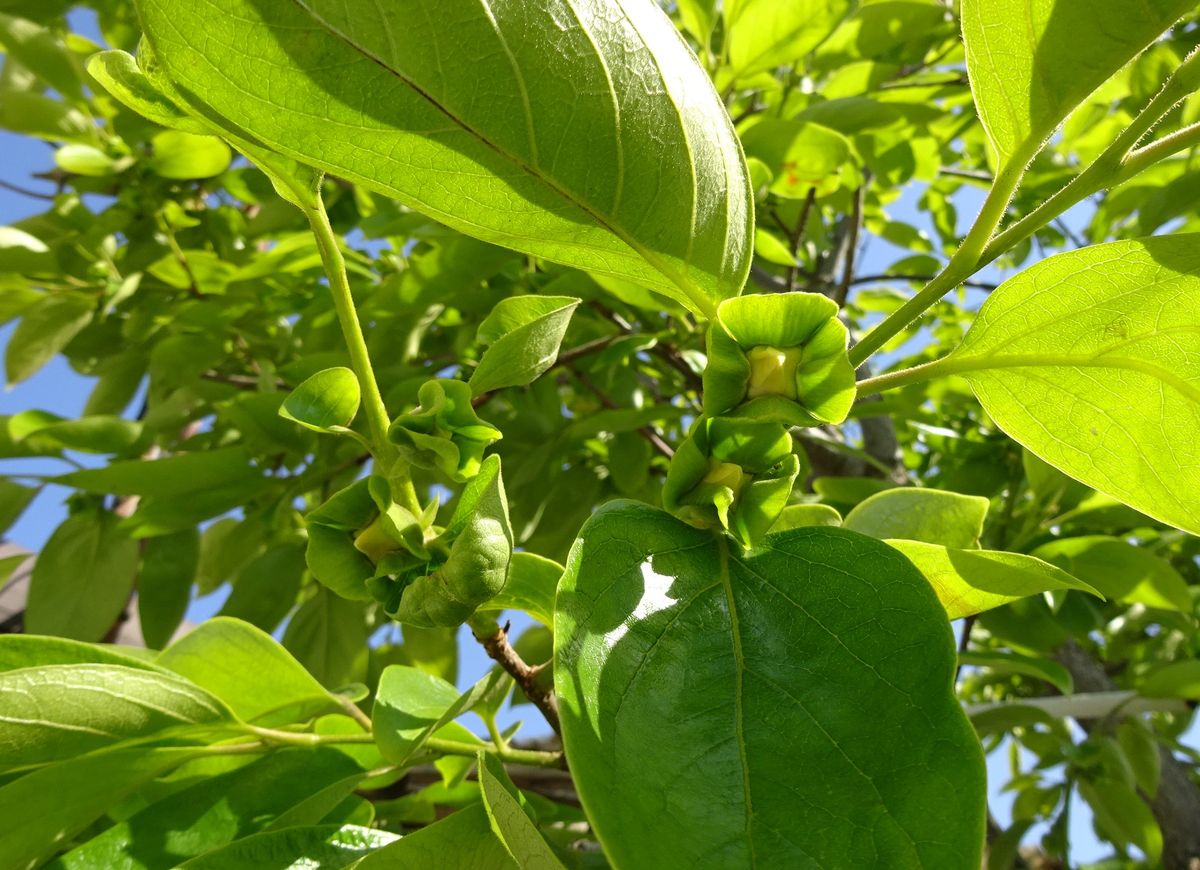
[797, 239]
[645, 431]
[843, 289]
[497, 647]
[564, 358]
[24, 191]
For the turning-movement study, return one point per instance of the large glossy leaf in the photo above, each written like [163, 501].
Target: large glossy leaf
[972, 581]
[582, 132]
[82, 579]
[43, 809]
[666, 637]
[1032, 61]
[30, 650]
[1091, 360]
[55, 712]
[211, 813]
[249, 671]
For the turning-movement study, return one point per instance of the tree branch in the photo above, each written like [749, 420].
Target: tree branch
[494, 640]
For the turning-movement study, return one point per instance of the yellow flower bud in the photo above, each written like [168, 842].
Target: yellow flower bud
[773, 371]
[726, 474]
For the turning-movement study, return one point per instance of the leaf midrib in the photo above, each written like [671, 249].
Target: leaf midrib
[966, 365]
[739, 672]
[690, 291]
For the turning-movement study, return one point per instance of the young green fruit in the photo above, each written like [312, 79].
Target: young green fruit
[732, 473]
[779, 357]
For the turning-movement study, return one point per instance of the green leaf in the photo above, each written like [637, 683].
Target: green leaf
[532, 580]
[21, 252]
[462, 841]
[1015, 663]
[765, 33]
[97, 434]
[582, 155]
[1087, 360]
[249, 671]
[186, 156]
[798, 516]
[409, 706]
[1140, 748]
[14, 498]
[266, 589]
[510, 818]
[169, 565]
[45, 329]
[82, 578]
[525, 333]
[173, 476]
[804, 158]
[972, 581]
[328, 399]
[323, 847]
[31, 650]
[56, 712]
[929, 515]
[45, 118]
[658, 622]
[328, 636]
[1176, 680]
[1030, 64]
[1121, 571]
[45, 809]
[212, 813]
[118, 73]
[41, 52]
[1123, 815]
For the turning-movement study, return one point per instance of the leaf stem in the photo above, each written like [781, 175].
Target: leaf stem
[905, 377]
[360, 359]
[962, 265]
[510, 755]
[1116, 164]
[305, 738]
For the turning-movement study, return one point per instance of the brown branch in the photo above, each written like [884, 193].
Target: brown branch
[855, 227]
[645, 431]
[24, 191]
[564, 358]
[530, 679]
[797, 239]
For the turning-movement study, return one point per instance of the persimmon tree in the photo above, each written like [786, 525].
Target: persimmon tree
[410, 319]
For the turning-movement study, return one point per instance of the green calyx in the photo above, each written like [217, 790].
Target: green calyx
[477, 545]
[359, 531]
[362, 545]
[779, 357]
[444, 433]
[734, 474]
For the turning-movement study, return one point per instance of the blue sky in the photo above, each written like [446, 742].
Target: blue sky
[58, 389]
